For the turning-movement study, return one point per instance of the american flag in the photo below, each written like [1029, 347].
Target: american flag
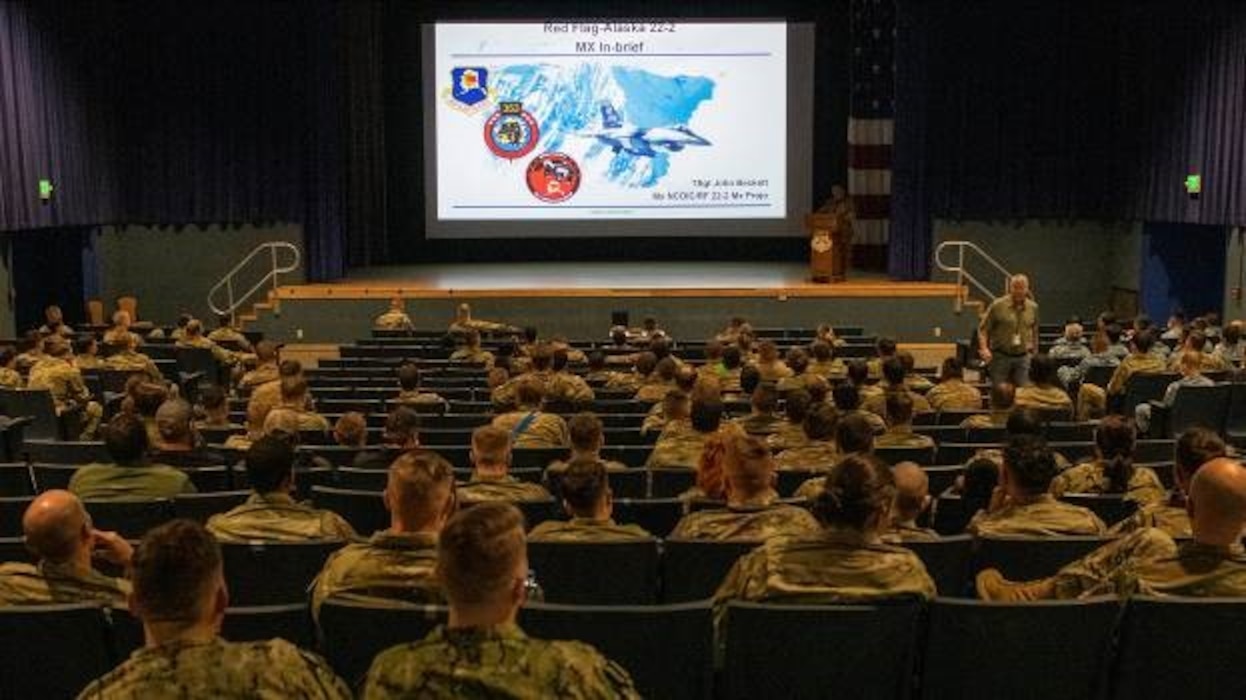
[871, 117]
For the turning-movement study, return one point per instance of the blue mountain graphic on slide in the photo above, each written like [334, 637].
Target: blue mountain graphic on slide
[627, 122]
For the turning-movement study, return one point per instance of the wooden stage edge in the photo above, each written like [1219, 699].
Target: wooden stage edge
[851, 289]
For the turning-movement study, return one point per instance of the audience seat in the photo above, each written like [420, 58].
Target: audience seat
[1038, 649]
[352, 634]
[947, 561]
[53, 651]
[667, 483]
[1110, 507]
[273, 573]
[54, 451]
[364, 510]
[667, 649]
[596, 573]
[1180, 648]
[201, 506]
[291, 622]
[130, 519]
[11, 510]
[815, 651]
[1027, 558]
[693, 569]
[894, 455]
[657, 515]
[633, 483]
[14, 549]
[15, 480]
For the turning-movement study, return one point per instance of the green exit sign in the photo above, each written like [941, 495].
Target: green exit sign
[45, 190]
[1193, 184]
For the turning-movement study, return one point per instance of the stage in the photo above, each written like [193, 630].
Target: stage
[689, 299]
[592, 279]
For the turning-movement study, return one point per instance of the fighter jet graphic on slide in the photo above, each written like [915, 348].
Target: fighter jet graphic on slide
[643, 141]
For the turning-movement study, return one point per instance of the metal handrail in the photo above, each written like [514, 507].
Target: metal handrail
[275, 269]
[964, 275]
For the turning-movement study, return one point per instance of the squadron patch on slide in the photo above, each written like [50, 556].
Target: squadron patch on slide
[469, 90]
[553, 177]
[511, 132]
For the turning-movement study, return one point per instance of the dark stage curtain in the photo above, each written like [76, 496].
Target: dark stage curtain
[1066, 110]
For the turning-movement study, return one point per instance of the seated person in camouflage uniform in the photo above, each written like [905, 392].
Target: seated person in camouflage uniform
[225, 333]
[270, 513]
[10, 378]
[598, 373]
[130, 476]
[180, 596]
[409, 391]
[1140, 361]
[563, 386]
[1195, 447]
[215, 405]
[713, 366]
[402, 433]
[682, 441]
[914, 381]
[732, 331]
[847, 399]
[824, 363]
[1003, 398]
[885, 348]
[59, 534]
[471, 351]
[586, 496]
[267, 396]
[529, 426]
[847, 562]
[675, 406]
[1023, 505]
[588, 436]
[764, 419]
[395, 318]
[56, 373]
[686, 379]
[86, 354]
[952, 393]
[1112, 470]
[119, 334]
[194, 338]
[899, 416]
[791, 432]
[659, 382]
[893, 383]
[351, 430]
[179, 444]
[54, 323]
[294, 400]
[1196, 344]
[1044, 390]
[753, 512]
[772, 369]
[480, 652]
[1071, 345]
[398, 563]
[266, 368]
[733, 364]
[1149, 561]
[491, 480]
[464, 322]
[853, 435]
[817, 452]
[912, 499]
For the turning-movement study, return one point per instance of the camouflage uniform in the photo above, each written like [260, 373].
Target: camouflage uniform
[1045, 517]
[276, 517]
[1034, 396]
[544, 430]
[758, 520]
[89, 362]
[494, 662]
[117, 336]
[679, 446]
[308, 421]
[1134, 364]
[48, 583]
[230, 335]
[994, 419]
[10, 378]
[773, 371]
[1149, 562]
[564, 386]
[219, 669]
[114, 482]
[761, 423]
[1172, 519]
[417, 397]
[816, 456]
[479, 325]
[903, 436]
[131, 361]
[954, 394]
[390, 566]
[394, 320]
[909, 532]
[69, 391]
[223, 356]
[830, 369]
[507, 488]
[654, 391]
[262, 374]
[788, 436]
[838, 565]
[587, 530]
[474, 356]
[877, 401]
[1144, 486]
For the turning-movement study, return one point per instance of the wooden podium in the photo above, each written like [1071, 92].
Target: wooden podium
[828, 248]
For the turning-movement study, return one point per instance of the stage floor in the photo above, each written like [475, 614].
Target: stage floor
[658, 279]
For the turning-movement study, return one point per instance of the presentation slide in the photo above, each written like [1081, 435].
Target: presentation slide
[576, 120]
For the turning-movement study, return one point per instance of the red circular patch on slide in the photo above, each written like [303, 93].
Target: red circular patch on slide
[553, 177]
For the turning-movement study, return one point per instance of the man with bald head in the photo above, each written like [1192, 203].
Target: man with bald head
[911, 500]
[1008, 333]
[1149, 561]
[398, 563]
[59, 534]
[753, 512]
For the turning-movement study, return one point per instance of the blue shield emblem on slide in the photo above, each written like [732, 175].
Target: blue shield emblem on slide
[469, 85]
